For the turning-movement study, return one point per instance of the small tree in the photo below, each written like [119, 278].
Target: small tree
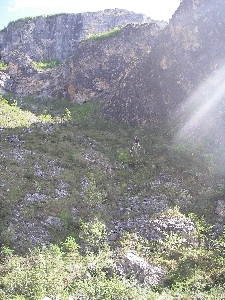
[93, 235]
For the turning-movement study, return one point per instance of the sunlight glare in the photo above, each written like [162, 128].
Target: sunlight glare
[203, 112]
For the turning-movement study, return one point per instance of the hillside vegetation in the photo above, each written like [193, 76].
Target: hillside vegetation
[74, 202]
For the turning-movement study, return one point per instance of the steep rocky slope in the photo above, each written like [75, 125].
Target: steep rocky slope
[87, 218]
[92, 214]
[183, 57]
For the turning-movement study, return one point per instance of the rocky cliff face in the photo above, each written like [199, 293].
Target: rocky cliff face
[57, 36]
[90, 67]
[183, 57]
[95, 66]
[143, 73]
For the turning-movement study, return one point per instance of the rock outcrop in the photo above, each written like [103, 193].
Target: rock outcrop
[134, 265]
[144, 73]
[90, 65]
[94, 67]
[183, 57]
[57, 36]
[5, 83]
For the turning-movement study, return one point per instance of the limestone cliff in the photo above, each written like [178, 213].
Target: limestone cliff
[90, 66]
[144, 73]
[94, 67]
[183, 57]
[57, 36]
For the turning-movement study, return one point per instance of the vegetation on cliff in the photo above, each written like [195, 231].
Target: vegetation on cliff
[108, 34]
[74, 202]
[47, 64]
[3, 66]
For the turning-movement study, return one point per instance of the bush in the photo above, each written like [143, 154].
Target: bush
[3, 66]
[111, 33]
[93, 235]
[47, 64]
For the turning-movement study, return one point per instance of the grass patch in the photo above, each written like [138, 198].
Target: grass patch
[47, 64]
[12, 116]
[109, 34]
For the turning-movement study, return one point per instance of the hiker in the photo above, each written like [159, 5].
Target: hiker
[136, 140]
[131, 152]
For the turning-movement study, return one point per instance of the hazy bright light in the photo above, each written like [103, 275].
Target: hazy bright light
[203, 111]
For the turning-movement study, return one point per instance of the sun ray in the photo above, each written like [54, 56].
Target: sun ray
[202, 119]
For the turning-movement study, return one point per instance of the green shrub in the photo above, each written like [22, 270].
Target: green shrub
[111, 33]
[47, 64]
[124, 156]
[93, 235]
[3, 66]
[93, 196]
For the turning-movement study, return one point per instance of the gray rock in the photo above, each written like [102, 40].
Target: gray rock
[220, 208]
[57, 36]
[182, 58]
[133, 265]
[92, 68]
[53, 221]
[36, 197]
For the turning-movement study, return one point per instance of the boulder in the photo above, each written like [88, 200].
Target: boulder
[132, 265]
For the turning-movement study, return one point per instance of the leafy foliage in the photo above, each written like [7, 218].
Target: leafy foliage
[61, 270]
[3, 66]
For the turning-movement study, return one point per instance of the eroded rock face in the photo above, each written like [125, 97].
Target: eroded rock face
[187, 52]
[5, 83]
[143, 73]
[57, 36]
[95, 66]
